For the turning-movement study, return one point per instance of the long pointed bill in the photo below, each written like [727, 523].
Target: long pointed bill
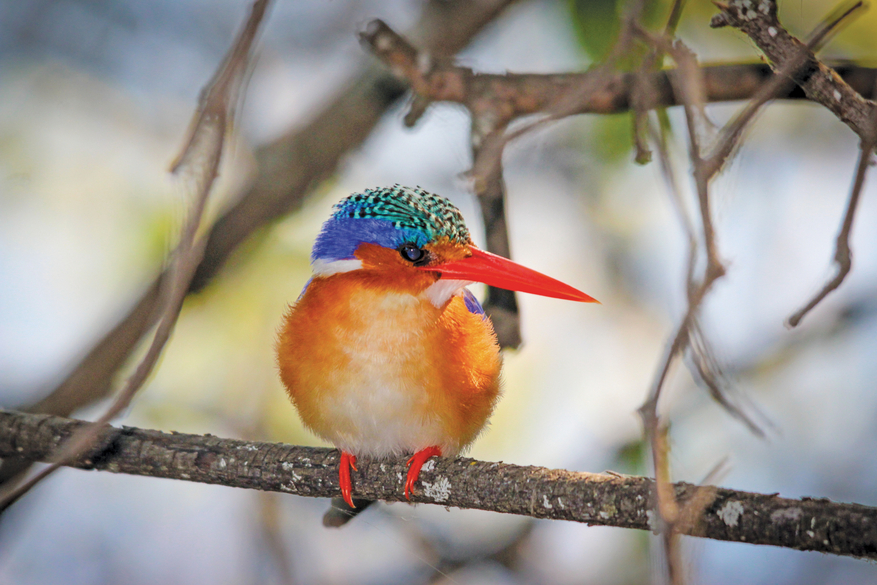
[501, 272]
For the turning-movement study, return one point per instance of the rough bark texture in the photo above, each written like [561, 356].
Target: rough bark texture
[495, 100]
[602, 499]
[819, 82]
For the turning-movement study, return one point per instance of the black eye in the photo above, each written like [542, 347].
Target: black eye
[412, 253]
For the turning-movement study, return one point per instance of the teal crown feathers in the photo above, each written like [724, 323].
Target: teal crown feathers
[389, 217]
[407, 208]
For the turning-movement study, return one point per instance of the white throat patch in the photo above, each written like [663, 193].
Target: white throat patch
[441, 291]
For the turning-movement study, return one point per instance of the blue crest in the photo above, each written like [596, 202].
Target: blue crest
[388, 217]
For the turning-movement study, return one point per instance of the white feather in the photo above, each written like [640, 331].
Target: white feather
[323, 268]
[441, 291]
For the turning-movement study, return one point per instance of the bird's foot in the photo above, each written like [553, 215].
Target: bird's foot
[414, 465]
[347, 461]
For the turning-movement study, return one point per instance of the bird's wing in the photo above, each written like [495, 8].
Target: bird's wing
[472, 303]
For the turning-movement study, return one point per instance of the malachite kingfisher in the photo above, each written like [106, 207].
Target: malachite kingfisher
[386, 352]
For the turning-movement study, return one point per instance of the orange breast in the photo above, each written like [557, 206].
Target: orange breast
[377, 370]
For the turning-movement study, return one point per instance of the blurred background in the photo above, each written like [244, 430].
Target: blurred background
[95, 97]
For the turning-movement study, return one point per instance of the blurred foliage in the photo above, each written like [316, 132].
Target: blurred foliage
[611, 138]
[631, 457]
[598, 22]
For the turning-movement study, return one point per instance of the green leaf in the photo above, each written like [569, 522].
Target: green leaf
[611, 137]
[596, 24]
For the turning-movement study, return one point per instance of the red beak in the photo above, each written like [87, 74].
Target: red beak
[501, 272]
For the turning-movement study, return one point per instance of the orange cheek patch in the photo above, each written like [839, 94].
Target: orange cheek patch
[384, 268]
[378, 257]
[446, 251]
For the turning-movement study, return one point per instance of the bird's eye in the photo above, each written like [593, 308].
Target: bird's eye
[412, 253]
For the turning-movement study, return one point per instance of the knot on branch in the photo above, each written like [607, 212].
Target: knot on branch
[738, 13]
[430, 79]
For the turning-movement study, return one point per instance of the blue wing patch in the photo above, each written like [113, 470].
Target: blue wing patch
[472, 303]
[302, 293]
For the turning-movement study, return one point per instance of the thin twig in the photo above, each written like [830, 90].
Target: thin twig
[643, 89]
[843, 255]
[200, 159]
[489, 186]
[781, 83]
[290, 170]
[689, 87]
[816, 79]
[705, 367]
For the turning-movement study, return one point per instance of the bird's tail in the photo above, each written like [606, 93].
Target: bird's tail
[340, 513]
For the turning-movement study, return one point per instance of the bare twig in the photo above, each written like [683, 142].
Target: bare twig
[689, 90]
[792, 58]
[643, 88]
[289, 170]
[705, 368]
[689, 87]
[200, 160]
[601, 499]
[792, 68]
[843, 255]
[818, 81]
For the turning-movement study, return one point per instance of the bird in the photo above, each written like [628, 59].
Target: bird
[386, 352]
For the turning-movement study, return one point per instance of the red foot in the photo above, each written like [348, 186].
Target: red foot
[414, 465]
[347, 461]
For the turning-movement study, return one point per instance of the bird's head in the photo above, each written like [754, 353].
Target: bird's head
[410, 239]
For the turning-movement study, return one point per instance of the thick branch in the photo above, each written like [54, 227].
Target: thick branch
[818, 81]
[600, 499]
[498, 99]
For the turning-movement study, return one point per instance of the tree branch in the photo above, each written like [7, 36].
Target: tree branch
[501, 98]
[289, 170]
[818, 81]
[843, 255]
[494, 101]
[600, 499]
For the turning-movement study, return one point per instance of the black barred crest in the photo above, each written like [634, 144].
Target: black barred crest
[407, 208]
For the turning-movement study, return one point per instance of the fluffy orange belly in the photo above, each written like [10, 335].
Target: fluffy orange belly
[379, 372]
